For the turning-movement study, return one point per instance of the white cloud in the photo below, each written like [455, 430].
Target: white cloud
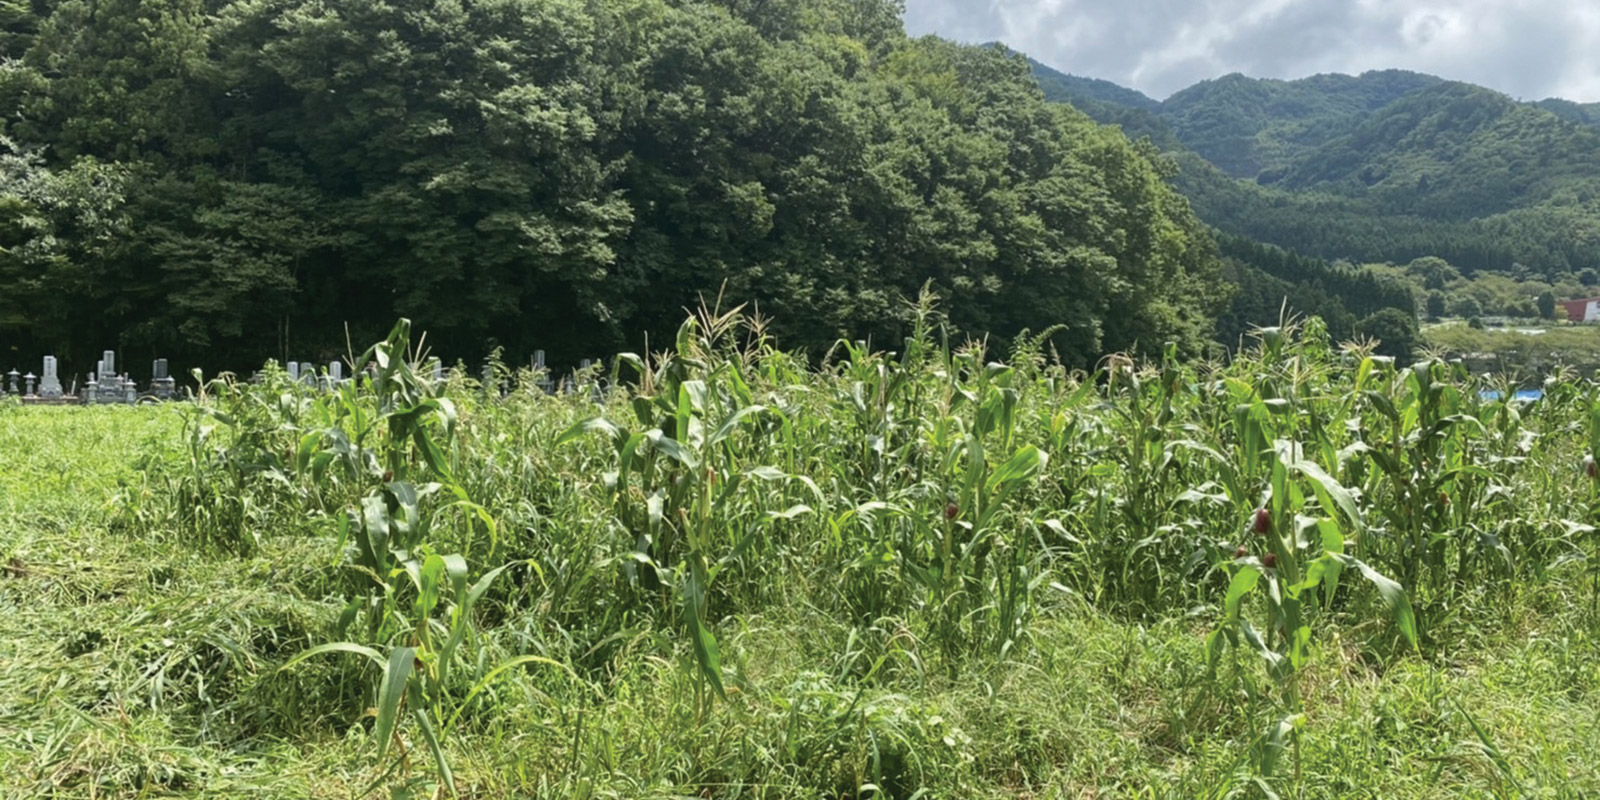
[1529, 49]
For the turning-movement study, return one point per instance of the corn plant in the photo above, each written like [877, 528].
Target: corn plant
[391, 433]
[690, 476]
[1303, 528]
[236, 471]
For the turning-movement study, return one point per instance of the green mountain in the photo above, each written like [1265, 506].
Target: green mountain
[1581, 113]
[1455, 151]
[1384, 166]
[1061, 87]
[1248, 127]
[1108, 103]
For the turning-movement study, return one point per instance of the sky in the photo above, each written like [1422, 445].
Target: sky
[1529, 49]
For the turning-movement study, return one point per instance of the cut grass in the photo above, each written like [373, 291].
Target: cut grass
[134, 667]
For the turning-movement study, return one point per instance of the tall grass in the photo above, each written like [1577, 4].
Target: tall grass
[945, 507]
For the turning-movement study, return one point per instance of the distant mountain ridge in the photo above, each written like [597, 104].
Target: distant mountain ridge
[1092, 88]
[1388, 165]
[1582, 113]
[1248, 126]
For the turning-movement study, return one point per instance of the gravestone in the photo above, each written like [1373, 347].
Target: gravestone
[110, 384]
[336, 371]
[294, 370]
[546, 385]
[161, 382]
[15, 387]
[308, 373]
[50, 383]
[104, 385]
[30, 378]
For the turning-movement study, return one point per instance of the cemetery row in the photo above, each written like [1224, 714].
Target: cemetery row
[106, 386]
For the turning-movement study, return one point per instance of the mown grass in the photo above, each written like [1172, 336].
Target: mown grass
[137, 660]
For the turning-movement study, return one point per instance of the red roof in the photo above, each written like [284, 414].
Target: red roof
[1577, 310]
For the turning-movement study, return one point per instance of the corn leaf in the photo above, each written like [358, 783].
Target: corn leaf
[1394, 596]
[1244, 581]
[431, 736]
[335, 647]
[391, 692]
[592, 425]
[701, 638]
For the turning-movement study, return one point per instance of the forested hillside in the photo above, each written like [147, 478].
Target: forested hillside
[1585, 113]
[1385, 166]
[1272, 284]
[1250, 127]
[220, 182]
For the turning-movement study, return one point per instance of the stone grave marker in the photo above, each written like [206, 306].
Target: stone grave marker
[546, 385]
[162, 382]
[108, 389]
[50, 383]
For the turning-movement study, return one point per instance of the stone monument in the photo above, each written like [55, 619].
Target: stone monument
[50, 382]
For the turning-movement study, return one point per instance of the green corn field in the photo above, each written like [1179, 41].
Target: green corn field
[918, 570]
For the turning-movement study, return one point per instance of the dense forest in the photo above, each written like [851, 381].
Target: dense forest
[1385, 166]
[222, 181]
[1275, 284]
[225, 181]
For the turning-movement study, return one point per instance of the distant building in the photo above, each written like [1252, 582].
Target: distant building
[1582, 310]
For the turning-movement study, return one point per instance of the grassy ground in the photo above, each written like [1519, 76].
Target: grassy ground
[131, 667]
[1509, 350]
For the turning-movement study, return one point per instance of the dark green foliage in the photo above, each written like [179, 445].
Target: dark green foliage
[1395, 330]
[1547, 305]
[1274, 284]
[1436, 305]
[1435, 272]
[1467, 306]
[567, 176]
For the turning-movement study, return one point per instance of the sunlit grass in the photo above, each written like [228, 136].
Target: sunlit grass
[140, 656]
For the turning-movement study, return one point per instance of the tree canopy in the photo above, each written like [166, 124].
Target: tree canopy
[221, 181]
